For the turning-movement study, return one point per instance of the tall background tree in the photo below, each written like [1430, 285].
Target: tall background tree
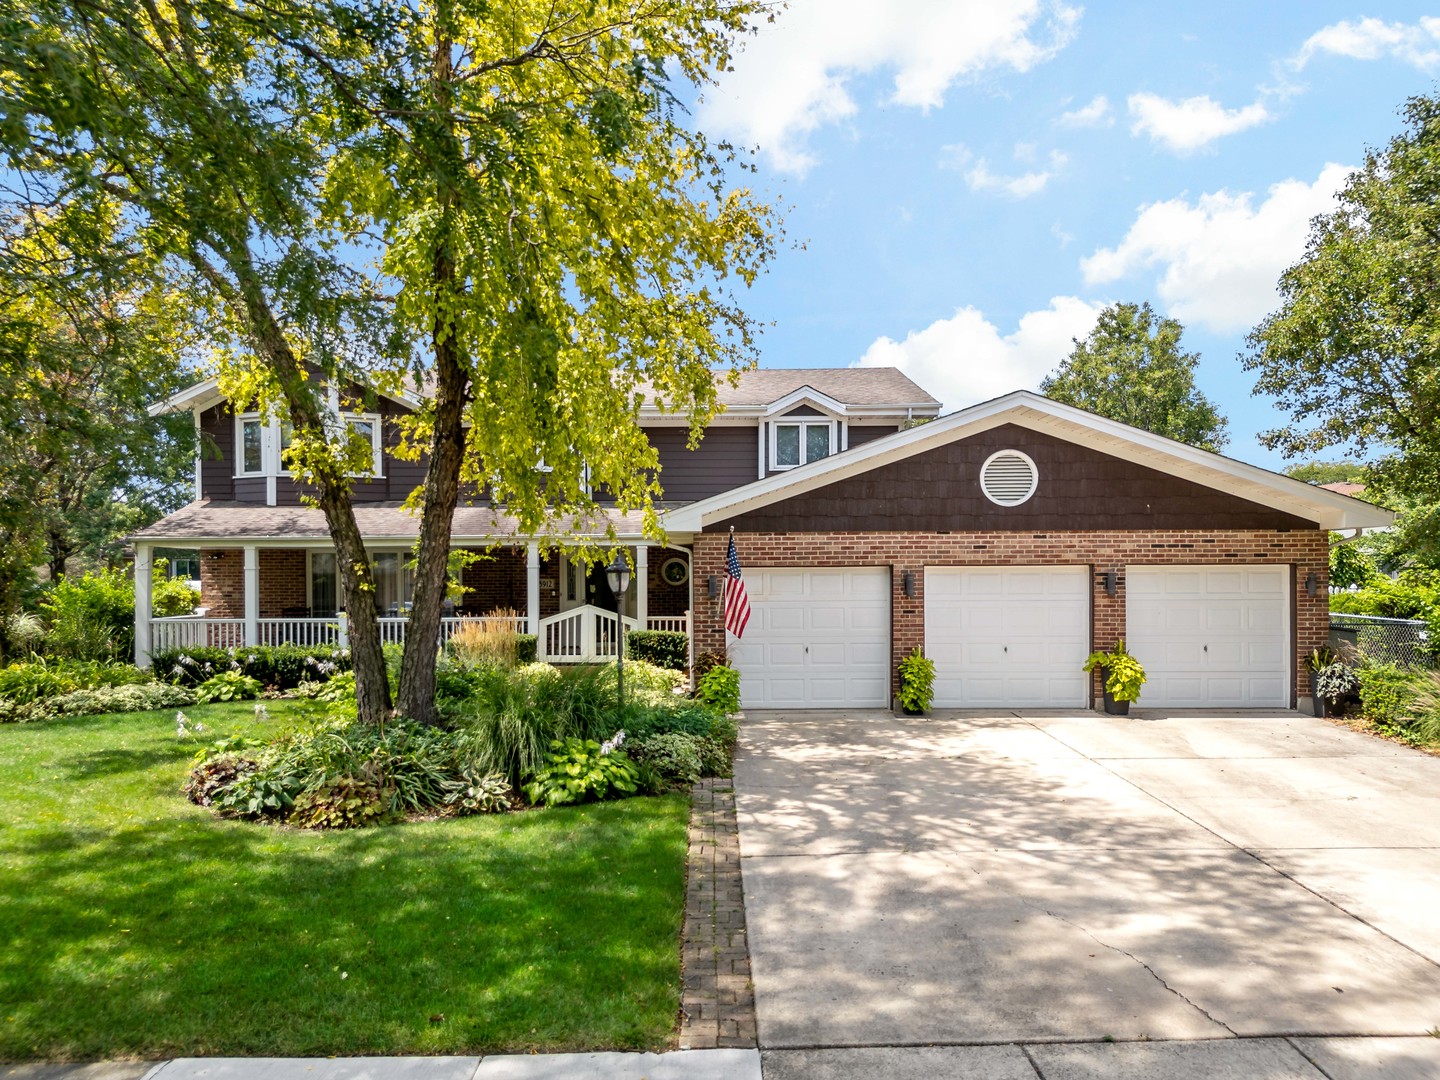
[550, 235]
[1353, 352]
[85, 346]
[1132, 368]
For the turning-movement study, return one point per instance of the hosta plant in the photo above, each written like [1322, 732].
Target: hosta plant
[580, 770]
[228, 686]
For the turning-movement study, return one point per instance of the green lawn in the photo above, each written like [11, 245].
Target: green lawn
[133, 924]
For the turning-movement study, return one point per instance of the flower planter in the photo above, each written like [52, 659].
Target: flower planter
[1116, 708]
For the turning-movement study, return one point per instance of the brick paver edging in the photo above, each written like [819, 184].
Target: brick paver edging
[717, 1000]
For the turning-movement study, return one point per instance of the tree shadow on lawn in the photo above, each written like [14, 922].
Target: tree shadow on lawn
[193, 936]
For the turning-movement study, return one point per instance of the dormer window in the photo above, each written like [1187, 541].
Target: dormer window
[794, 443]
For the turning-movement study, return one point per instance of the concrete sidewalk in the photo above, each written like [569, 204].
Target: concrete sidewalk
[680, 1065]
[1292, 1058]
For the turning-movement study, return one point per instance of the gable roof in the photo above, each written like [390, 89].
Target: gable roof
[1328, 509]
[849, 386]
[872, 386]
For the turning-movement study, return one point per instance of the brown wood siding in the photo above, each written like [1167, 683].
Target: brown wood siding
[726, 458]
[218, 480]
[1079, 488]
[803, 410]
[251, 489]
[217, 474]
[856, 435]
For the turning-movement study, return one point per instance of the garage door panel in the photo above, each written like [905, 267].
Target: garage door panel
[1225, 654]
[818, 638]
[869, 653]
[1015, 636]
[784, 654]
[825, 619]
[867, 619]
[779, 618]
[1210, 636]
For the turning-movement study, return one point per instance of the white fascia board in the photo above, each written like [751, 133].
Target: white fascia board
[202, 395]
[1329, 509]
[749, 415]
[205, 394]
[806, 395]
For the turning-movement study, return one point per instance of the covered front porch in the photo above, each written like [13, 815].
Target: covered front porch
[276, 593]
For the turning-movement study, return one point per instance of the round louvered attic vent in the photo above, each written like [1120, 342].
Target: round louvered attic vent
[1008, 477]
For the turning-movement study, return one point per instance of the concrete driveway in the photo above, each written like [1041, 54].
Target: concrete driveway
[1045, 879]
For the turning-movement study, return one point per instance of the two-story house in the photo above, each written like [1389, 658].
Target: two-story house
[1007, 540]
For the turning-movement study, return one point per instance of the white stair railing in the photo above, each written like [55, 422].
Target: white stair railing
[580, 635]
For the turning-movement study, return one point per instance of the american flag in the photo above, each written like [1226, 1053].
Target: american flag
[737, 603]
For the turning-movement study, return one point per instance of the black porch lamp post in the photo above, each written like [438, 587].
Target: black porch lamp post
[617, 574]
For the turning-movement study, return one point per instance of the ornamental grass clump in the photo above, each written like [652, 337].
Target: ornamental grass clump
[492, 640]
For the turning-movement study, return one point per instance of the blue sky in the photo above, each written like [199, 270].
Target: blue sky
[973, 180]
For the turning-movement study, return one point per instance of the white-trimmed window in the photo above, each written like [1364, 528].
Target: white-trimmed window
[251, 445]
[367, 426]
[799, 442]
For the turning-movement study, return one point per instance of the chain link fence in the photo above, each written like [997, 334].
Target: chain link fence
[1394, 641]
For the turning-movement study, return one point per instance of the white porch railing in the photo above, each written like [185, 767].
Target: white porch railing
[580, 634]
[299, 631]
[194, 631]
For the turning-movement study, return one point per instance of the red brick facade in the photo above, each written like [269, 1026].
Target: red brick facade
[222, 582]
[1306, 551]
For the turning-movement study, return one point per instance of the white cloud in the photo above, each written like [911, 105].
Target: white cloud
[965, 358]
[1095, 114]
[1373, 39]
[793, 76]
[1187, 126]
[982, 180]
[1220, 256]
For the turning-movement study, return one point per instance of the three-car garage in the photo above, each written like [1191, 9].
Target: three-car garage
[1018, 636]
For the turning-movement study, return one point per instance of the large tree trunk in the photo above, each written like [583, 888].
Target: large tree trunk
[447, 444]
[441, 491]
[352, 563]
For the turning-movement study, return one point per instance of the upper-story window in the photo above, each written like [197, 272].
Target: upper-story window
[795, 443]
[260, 444]
[367, 426]
[250, 445]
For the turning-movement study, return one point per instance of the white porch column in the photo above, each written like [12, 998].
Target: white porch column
[252, 595]
[144, 568]
[642, 585]
[532, 587]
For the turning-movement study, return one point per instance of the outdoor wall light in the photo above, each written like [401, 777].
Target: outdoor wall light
[1312, 584]
[712, 585]
[908, 582]
[1112, 582]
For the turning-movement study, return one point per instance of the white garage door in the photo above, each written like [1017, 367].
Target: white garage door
[1008, 636]
[816, 639]
[1210, 635]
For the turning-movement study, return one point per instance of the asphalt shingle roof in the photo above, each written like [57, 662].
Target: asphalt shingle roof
[249, 521]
